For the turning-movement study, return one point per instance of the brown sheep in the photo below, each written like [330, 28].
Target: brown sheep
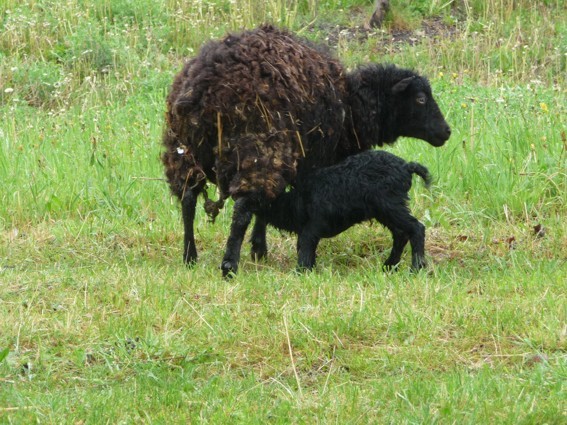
[254, 109]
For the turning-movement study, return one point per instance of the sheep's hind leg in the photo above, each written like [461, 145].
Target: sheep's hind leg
[258, 239]
[188, 204]
[241, 218]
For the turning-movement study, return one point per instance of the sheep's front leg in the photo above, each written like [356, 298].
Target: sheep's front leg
[188, 204]
[258, 239]
[306, 250]
[241, 217]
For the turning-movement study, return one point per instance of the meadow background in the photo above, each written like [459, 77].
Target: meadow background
[101, 323]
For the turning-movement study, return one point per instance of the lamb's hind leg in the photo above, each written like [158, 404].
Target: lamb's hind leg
[188, 204]
[404, 227]
[400, 241]
[258, 239]
[241, 217]
[417, 241]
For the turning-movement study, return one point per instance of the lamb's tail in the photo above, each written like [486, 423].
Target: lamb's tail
[420, 170]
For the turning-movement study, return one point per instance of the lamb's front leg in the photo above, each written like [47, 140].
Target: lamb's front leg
[258, 239]
[241, 217]
[306, 250]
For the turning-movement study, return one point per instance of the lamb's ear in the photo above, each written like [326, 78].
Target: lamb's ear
[402, 85]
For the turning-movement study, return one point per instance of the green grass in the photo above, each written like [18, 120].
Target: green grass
[101, 323]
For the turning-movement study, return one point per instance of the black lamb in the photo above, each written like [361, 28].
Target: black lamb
[253, 111]
[327, 201]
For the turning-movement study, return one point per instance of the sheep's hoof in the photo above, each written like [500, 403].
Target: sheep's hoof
[228, 269]
[190, 260]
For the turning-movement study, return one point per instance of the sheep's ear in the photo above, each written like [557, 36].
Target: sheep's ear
[402, 85]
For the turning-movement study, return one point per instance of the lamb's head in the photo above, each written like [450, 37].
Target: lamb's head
[417, 113]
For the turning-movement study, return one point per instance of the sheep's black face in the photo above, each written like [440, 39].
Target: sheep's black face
[418, 114]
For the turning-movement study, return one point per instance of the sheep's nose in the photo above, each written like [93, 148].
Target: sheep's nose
[448, 131]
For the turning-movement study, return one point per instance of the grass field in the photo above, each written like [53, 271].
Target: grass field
[101, 323]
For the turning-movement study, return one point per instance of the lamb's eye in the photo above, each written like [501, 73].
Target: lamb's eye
[421, 100]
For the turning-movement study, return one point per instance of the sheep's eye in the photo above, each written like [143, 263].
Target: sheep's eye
[421, 100]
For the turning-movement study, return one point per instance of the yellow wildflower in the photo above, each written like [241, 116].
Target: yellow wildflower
[543, 107]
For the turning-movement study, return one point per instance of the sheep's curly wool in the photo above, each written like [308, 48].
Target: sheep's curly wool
[231, 117]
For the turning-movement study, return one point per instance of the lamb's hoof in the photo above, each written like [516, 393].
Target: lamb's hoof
[258, 254]
[259, 249]
[418, 265]
[390, 267]
[228, 269]
[301, 269]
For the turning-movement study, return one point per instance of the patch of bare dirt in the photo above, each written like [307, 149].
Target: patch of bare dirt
[387, 39]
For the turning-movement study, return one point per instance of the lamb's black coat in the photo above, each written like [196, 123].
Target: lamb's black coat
[253, 111]
[365, 186]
